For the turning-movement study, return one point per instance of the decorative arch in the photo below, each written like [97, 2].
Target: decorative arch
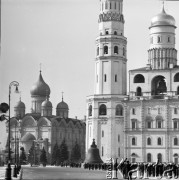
[139, 78]
[159, 118]
[28, 121]
[62, 124]
[176, 77]
[102, 109]
[28, 137]
[43, 121]
[119, 110]
[158, 85]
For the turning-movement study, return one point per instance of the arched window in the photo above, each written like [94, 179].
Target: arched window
[90, 110]
[107, 32]
[105, 49]
[133, 141]
[159, 121]
[110, 6]
[118, 138]
[158, 39]
[175, 141]
[176, 77]
[115, 77]
[159, 141]
[115, 49]
[139, 78]
[159, 157]
[149, 141]
[119, 110]
[97, 51]
[115, 32]
[149, 157]
[139, 91]
[102, 151]
[102, 109]
[105, 77]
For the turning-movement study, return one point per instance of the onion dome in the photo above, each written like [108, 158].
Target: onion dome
[19, 104]
[163, 19]
[46, 103]
[62, 105]
[40, 88]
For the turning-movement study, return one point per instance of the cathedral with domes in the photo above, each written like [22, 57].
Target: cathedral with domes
[43, 129]
[143, 123]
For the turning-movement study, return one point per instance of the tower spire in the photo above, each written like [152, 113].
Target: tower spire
[40, 67]
[62, 95]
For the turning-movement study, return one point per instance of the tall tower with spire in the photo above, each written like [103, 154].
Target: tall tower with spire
[105, 108]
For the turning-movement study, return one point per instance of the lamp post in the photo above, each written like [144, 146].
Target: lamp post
[8, 169]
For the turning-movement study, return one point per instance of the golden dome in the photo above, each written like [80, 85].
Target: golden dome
[46, 103]
[40, 88]
[163, 19]
[19, 104]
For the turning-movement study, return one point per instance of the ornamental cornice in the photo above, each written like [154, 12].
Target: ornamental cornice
[111, 58]
[111, 16]
[110, 38]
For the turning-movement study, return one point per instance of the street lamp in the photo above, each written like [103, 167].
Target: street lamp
[8, 169]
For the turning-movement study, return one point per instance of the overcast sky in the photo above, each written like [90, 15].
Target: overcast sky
[61, 34]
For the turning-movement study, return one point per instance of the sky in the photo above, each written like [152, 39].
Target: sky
[60, 35]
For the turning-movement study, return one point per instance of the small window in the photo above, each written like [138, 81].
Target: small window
[107, 32]
[159, 124]
[115, 49]
[124, 53]
[115, 77]
[178, 90]
[175, 141]
[102, 109]
[149, 124]
[118, 138]
[110, 6]
[159, 110]
[159, 141]
[175, 125]
[149, 110]
[133, 141]
[158, 39]
[105, 77]
[102, 151]
[149, 141]
[90, 110]
[133, 111]
[139, 91]
[168, 39]
[149, 157]
[119, 110]
[115, 32]
[175, 111]
[133, 124]
[97, 51]
[159, 157]
[105, 49]
[102, 133]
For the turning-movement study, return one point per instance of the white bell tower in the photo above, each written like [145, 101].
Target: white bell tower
[105, 114]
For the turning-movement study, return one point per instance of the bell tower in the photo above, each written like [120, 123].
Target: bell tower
[105, 108]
